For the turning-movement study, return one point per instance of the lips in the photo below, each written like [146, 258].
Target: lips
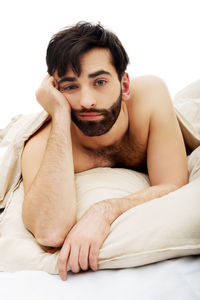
[91, 116]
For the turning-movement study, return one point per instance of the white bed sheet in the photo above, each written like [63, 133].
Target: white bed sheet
[174, 279]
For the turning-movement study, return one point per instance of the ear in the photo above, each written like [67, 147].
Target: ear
[125, 84]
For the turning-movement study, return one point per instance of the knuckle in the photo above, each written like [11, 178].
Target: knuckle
[94, 252]
[94, 241]
[87, 239]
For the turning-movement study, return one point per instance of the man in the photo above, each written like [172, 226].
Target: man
[98, 118]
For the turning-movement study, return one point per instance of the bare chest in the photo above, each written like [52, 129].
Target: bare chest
[126, 154]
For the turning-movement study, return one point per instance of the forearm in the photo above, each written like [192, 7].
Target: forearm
[49, 207]
[116, 207]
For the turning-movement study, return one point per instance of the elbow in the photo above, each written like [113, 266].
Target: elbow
[50, 235]
[56, 237]
[54, 241]
[169, 187]
[180, 181]
[177, 185]
[183, 181]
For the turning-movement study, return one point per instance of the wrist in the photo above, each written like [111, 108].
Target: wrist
[111, 209]
[61, 114]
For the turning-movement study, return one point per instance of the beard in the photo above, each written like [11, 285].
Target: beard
[97, 128]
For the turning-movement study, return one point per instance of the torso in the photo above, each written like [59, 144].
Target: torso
[126, 154]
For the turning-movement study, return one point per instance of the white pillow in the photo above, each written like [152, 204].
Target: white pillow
[160, 229]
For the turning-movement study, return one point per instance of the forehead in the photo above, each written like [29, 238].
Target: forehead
[96, 57]
[92, 61]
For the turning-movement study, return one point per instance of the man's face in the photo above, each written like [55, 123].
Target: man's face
[95, 96]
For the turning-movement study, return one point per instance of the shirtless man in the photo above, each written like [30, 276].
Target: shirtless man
[98, 118]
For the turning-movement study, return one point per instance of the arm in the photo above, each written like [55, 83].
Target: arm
[49, 207]
[166, 154]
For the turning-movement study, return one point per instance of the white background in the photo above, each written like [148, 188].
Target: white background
[162, 37]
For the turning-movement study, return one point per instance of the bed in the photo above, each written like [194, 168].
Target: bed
[170, 278]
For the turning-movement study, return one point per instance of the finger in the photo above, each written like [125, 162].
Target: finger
[93, 256]
[52, 81]
[74, 259]
[63, 260]
[56, 84]
[83, 257]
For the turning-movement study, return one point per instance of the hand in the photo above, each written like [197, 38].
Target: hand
[50, 97]
[83, 242]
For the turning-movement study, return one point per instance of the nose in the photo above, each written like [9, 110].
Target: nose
[87, 99]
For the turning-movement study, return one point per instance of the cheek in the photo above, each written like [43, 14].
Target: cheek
[114, 92]
[71, 100]
[111, 90]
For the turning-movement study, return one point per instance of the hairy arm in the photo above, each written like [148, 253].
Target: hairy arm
[49, 207]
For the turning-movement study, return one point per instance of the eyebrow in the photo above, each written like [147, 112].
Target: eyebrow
[100, 72]
[92, 75]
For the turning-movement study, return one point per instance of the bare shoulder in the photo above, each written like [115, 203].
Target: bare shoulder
[40, 136]
[147, 81]
[32, 154]
[149, 95]
[148, 90]
[149, 100]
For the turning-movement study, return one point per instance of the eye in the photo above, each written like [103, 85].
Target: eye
[68, 88]
[100, 82]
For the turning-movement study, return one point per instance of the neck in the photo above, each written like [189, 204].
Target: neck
[111, 137]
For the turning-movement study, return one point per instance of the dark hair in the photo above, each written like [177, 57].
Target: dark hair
[66, 47]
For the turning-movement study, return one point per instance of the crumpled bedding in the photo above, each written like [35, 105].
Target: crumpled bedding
[155, 231]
